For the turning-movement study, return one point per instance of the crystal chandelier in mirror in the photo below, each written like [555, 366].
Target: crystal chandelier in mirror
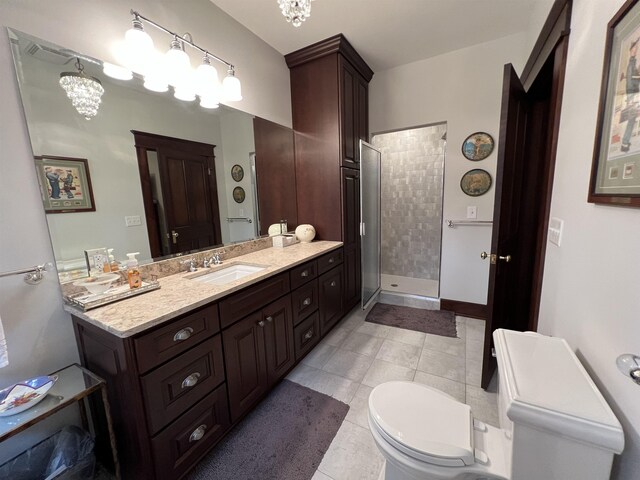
[295, 11]
[84, 91]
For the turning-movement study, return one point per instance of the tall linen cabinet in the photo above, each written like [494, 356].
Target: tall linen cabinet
[329, 101]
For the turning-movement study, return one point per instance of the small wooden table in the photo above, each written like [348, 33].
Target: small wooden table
[74, 385]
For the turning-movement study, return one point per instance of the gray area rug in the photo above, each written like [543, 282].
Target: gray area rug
[437, 322]
[284, 438]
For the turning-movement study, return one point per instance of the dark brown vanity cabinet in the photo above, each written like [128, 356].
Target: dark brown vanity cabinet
[331, 295]
[329, 101]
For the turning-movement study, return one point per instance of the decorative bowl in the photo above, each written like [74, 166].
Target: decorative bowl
[17, 398]
[305, 233]
[98, 284]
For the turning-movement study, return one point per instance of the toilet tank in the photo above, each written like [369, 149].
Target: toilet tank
[560, 426]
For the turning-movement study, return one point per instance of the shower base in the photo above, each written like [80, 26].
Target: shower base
[408, 285]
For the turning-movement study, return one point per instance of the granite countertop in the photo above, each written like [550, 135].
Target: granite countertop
[178, 294]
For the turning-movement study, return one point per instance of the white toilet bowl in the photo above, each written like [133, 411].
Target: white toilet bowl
[554, 423]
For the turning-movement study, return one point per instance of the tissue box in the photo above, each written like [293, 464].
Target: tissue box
[282, 241]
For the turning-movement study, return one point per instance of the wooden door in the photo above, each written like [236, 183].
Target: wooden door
[362, 112]
[351, 235]
[245, 361]
[278, 338]
[349, 133]
[275, 174]
[187, 199]
[331, 292]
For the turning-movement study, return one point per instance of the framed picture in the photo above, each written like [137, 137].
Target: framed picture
[616, 155]
[238, 194]
[65, 184]
[477, 146]
[476, 182]
[237, 172]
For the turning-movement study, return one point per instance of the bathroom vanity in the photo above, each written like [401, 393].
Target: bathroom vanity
[185, 363]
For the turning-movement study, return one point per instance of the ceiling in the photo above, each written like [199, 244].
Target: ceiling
[387, 33]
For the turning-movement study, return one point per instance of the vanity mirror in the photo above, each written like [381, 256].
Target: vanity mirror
[159, 166]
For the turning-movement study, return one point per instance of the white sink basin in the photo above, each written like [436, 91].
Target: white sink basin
[228, 274]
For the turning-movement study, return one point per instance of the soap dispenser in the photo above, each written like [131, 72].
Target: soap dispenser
[133, 274]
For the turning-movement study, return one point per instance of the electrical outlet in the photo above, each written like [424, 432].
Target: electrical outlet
[472, 212]
[132, 220]
[555, 230]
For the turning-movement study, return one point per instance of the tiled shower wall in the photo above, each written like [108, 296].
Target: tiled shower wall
[412, 183]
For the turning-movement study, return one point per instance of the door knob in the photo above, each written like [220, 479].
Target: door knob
[494, 258]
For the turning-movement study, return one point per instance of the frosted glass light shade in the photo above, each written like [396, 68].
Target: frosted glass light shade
[185, 94]
[155, 84]
[116, 71]
[206, 80]
[209, 102]
[231, 89]
[137, 46]
[176, 65]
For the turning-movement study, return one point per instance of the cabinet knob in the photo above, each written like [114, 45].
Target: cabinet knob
[331, 260]
[261, 323]
[198, 433]
[306, 302]
[191, 380]
[333, 284]
[309, 334]
[305, 273]
[183, 334]
[269, 319]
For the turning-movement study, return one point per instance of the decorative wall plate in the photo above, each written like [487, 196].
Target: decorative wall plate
[238, 194]
[477, 146]
[17, 398]
[476, 182]
[237, 172]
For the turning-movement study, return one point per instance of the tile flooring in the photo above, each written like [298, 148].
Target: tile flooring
[356, 356]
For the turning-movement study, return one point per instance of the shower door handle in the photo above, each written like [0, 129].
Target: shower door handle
[362, 229]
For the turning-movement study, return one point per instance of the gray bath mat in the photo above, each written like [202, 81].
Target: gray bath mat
[284, 438]
[437, 322]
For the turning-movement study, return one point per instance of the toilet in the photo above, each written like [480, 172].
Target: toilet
[554, 423]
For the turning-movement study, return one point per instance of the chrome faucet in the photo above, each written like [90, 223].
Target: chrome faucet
[216, 258]
[207, 262]
[193, 267]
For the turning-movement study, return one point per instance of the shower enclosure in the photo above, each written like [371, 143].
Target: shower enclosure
[412, 174]
[370, 233]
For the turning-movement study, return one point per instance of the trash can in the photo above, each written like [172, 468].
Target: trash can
[67, 455]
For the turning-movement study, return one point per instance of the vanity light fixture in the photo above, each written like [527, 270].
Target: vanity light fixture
[174, 68]
[116, 71]
[84, 91]
[295, 11]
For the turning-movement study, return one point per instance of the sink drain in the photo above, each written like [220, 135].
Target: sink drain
[394, 284]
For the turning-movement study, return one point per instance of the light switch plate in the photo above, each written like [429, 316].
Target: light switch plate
[555, 230]
[472, 212]
[132, 220]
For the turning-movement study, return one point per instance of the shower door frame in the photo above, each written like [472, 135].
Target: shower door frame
[365, 303]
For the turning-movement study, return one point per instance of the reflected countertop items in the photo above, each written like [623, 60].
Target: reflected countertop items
[180, 294]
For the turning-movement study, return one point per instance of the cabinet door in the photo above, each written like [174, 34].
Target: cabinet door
[361, 112]
[245, 361]
[278, 338]
[330, 285]
[351, 235]
[349, 134]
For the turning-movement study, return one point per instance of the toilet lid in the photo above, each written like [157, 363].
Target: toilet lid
[423, 422]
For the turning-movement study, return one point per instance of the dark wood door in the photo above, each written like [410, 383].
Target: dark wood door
[362, 111]
[245, 362]
[331, 295]
[278, 338]
[275, 174]
[351, 235]
[349, 133]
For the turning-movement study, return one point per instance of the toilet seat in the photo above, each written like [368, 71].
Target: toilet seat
[424, 423]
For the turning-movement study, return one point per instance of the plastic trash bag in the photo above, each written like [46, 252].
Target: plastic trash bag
[67, 455]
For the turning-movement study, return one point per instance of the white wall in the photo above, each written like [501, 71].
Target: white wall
[462, 88]
[591, 283]
[39, 333]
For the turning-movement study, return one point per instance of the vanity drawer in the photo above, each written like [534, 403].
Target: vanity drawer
[166, 342]
[250, 299]
[329, 260]
[182, 443]
[305, 301]
[173, 388]
[306, 335]
[303, 273]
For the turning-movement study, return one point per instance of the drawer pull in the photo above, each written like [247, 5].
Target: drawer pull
[183, 334]
[191, 380]
[198, 433]
[305, 273]
[269, 319]
[306, 302]
[309, 334]
[331, 260]
[261, 323]
[333, 284]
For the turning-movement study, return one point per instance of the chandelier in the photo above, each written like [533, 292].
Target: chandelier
[84, 91]
[295, 11]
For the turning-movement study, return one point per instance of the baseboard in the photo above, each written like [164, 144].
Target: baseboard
[466, 309]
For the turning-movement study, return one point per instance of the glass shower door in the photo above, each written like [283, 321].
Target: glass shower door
[370, 230]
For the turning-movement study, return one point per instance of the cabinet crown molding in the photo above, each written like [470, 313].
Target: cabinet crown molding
[336, 44]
